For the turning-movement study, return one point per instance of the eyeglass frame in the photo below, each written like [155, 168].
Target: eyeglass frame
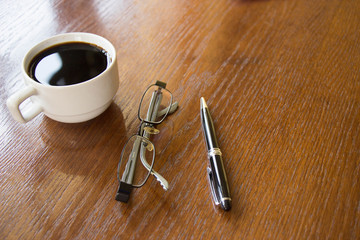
[125, 188]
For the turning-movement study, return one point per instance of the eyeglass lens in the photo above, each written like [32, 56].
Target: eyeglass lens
[155, 104]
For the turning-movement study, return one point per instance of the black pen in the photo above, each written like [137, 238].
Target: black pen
[218, 181]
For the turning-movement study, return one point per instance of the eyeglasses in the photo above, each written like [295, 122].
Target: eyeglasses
[138, 155]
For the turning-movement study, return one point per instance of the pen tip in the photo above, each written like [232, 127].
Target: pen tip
[202, 103]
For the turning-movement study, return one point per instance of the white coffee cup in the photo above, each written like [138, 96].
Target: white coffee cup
[71, 103]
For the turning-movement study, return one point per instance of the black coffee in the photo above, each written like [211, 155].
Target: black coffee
[68, 63]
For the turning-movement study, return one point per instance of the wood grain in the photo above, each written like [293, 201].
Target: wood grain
[281, 79]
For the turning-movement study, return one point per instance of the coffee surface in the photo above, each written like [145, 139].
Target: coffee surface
[68, 64]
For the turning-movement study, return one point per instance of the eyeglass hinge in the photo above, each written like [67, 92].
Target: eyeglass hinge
[123, 192]
[160, 84]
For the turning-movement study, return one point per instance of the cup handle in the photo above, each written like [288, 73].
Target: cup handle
[14, 101]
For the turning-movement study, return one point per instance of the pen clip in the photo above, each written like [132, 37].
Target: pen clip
[214, 192]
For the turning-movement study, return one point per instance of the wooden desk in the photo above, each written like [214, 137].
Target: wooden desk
[282, 82]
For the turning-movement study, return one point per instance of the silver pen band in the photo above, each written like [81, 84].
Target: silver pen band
[226, 198]
[214, 152]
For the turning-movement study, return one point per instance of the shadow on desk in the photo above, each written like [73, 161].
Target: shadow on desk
[75, 148]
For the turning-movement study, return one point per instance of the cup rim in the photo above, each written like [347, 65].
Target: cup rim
[64, 38]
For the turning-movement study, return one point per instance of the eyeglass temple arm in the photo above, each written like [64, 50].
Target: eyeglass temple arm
[172, 107]
[125, 186]
[154, 106]
[128, 173]
[163, 182]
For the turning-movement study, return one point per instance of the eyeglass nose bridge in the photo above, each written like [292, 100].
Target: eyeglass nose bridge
[151, 130]
[147, 128]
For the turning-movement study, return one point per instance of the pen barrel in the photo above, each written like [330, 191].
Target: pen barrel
[208, 129]
[219, 175]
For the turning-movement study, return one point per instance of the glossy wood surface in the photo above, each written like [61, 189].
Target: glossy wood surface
[281, 79]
